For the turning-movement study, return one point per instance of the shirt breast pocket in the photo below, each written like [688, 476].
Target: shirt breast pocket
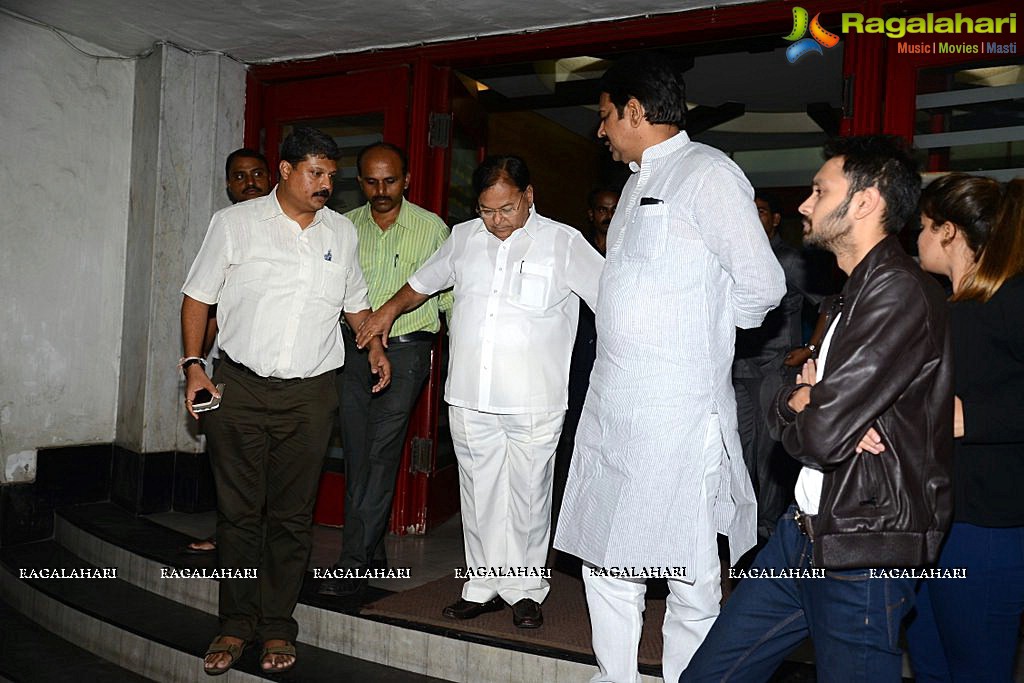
[532, 285]
[333, 283]
[645, 238]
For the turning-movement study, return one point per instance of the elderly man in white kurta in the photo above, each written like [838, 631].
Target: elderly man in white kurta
[518, 278]
[658, 470]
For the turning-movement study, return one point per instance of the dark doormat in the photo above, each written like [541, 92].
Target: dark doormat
[566, 623]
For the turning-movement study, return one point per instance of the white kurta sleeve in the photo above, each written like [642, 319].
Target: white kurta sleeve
[730, 229]
[583, 269]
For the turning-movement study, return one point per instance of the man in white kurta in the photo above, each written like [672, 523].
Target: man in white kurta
[518, 278]
[658, 470]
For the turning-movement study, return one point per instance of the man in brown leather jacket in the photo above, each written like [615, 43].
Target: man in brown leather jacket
[871, 422]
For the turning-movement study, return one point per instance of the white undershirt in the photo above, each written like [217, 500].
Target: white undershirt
[808, 484]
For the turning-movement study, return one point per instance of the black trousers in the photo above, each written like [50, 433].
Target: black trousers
[772, 472]
[267, 443]
[373, 430]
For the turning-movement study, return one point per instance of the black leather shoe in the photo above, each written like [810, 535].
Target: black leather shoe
[526, 614]
[464, 609]
[341, 588]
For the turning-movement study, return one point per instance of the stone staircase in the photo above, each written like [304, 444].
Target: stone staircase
[143, 625]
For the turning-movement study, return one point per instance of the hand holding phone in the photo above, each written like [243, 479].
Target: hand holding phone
[205, 401]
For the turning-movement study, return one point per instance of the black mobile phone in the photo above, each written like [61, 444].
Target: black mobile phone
[205, 401]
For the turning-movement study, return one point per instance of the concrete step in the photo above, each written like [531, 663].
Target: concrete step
[133, 628]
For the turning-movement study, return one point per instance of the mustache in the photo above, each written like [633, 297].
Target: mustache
[251, 187]
[326, 194]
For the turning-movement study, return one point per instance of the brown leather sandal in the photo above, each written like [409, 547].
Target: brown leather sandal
[288, 649]
[218, 647]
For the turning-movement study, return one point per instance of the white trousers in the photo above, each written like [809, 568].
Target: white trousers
[506, 465]
[616, 605]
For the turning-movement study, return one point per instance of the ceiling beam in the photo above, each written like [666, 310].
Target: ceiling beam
[576, 93]
[702, 118]
[827, 117]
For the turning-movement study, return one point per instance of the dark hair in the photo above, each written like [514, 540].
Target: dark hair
[768, 198]
[592, 197]
[244, 152]
[991, 220]
[382, 145]
[496, 168]
[654, 80]
[885, 162]
[308, 142]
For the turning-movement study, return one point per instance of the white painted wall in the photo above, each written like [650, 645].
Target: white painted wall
[109, 173]
[65, 151]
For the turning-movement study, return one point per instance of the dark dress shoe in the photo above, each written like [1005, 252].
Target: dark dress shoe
[341, 588]
[526, 614]
[464, 609]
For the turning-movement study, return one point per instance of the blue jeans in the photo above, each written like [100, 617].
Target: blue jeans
[853, 619]
[966, 629]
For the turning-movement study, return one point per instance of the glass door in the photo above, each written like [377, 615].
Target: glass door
[963, 109]
[355, 109]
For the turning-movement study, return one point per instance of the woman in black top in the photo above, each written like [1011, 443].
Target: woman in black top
[966, 629]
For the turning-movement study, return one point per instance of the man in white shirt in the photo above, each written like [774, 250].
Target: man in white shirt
[280, 269]
[658, 469]
[518, 278]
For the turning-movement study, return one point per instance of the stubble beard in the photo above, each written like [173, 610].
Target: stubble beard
[832, 232]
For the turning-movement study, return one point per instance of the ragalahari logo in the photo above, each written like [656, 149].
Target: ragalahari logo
[819, 37]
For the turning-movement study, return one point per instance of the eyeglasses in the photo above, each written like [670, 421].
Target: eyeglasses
[504, 212]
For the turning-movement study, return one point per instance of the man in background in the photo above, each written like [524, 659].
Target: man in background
[601, 205]
[246, 176]
[758, 371]
[395, 238]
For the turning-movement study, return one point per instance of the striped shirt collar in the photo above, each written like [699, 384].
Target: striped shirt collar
[662, 149]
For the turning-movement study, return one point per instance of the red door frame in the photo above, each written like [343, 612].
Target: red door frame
[864, 69]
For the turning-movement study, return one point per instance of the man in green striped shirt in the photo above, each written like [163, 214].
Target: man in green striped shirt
[395, 237]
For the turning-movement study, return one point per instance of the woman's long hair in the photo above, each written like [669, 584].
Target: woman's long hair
[991, 218]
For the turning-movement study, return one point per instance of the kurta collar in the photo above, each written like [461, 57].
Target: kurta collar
[662, 149]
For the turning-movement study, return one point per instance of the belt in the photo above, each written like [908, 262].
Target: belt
[252, 373]
[412, 337]
[803, 522]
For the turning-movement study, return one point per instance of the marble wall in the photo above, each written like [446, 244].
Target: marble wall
[188, 116]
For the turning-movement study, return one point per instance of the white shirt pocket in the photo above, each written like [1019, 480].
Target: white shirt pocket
[334, 283]
[532, 285]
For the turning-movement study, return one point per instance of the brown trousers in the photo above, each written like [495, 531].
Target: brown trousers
[267, 443]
